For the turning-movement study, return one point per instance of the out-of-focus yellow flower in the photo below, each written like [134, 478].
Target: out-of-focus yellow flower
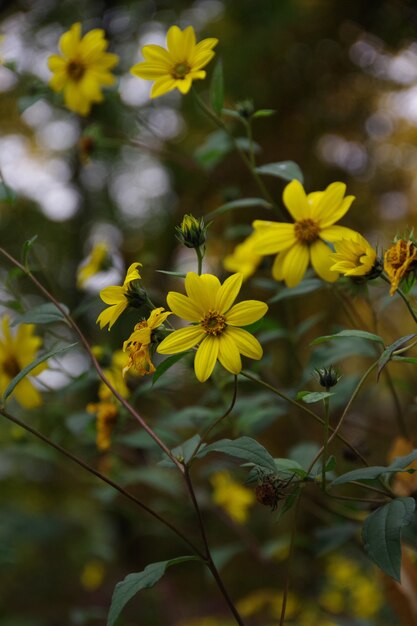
[268, 602]
[106, 410]
[353, 256]
[138, 344]
[231, 496]
[366, 598]
[82, 69]
[177, 66]
[16, 352]
[118, 297]
[333, 600]
[243, 258]
[305, 241]
[209, 305]
[399, 260]
[94, 263]
[92, 575]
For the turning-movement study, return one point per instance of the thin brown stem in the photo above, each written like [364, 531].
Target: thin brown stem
[101, 476]
[96, 364]
[289, 562]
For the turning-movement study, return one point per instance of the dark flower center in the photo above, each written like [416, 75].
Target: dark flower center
[307, 230]
[11, 367]
[180, 71]
[75, 70]
[213, 323]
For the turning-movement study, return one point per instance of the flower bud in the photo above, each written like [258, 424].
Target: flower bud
[245, 109]
[192, 231]
[328, 376]
[136, 295]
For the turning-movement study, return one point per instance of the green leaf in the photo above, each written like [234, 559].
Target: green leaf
[309, 397]
[45, 313]
[387, 354]
[288, 467]
[133, 583]
[357, 334]
[26, 370]
[399, 464]
[242, 203]
[184, 451]
[26, 249]
[167, 364]
[177, 274]
[382, 534]
[217, 88]
[264, 113]
[306, 286]
[7, 194]
[216, 146]
[405, 359]
[288, 170]
[244, 448]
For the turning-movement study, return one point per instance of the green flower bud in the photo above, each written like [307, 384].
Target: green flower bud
[192, 231]
[328, 376]
[136, 295]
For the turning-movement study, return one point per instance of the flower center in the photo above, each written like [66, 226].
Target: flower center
[307, 230]
[180, 71]
[213, 323]
[75, 70]
[11, 367]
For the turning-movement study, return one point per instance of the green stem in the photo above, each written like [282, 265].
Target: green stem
[96, 473]
[402, 296]
[306, 410]
[247, 161]
[325, 441]
[200, 256]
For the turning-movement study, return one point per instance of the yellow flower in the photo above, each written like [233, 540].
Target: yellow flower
[83, 69]
[399, 260]
[106, 414]
[232, 497]
[117, 297]
[353, 256]
[94, 263]
[179, 65]
[16, 352]
[92, 575]
[215, 323]
[243, 258]
[306, 240]
[137, 346]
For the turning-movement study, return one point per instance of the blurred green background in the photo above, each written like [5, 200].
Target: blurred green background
[342, 77]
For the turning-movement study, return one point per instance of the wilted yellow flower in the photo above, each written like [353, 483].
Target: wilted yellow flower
[399, 260]
[137, 346]
[231, 496]
[83, 69]
[243, 258]
[209, 306]
[353, 256]
[307, 239]
[118, 297]
[94, 263]
[179, 65]
[16, 352]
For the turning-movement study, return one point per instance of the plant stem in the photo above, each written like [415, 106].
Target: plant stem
[200, 257]
[96, 364]
[217, 421]
[325, 441]
[306, 410]
[101, 476]
[402, 296]
[249, 164]
[208, 558]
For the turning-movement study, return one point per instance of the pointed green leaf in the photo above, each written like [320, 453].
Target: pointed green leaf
[133, 583]
[288, 170]
[167, 364]
[264, 113]
[26, 370]
[217, 88]
[309, 397]
[244, 448]
[400, 464]
[357, 334]
[176, 274]
[26, 249]
[45, 313]
[382, 534]
[387, 354]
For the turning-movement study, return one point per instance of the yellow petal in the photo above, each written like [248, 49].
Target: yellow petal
[70, 40]
[111, 314]
[246, 343]
[58, 80]
[229, 355]
[272, 237]
[112, 295]
[334, 233]
[184, 85]
[184, 307]
[228, 292]
[158, 317]
[132, 273]
[295, 199]
[277, 266]
[338, 212]
[56, 63]
[246, 312]
[202, 290]
[181, 340]
[180, 43]
[157, 55]
[321, 260]
[26, 394]
[329, 203]
[206, 357]
[162, 86]
[295, 264]
[200, 60]
[150, 71]
[75, 99]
